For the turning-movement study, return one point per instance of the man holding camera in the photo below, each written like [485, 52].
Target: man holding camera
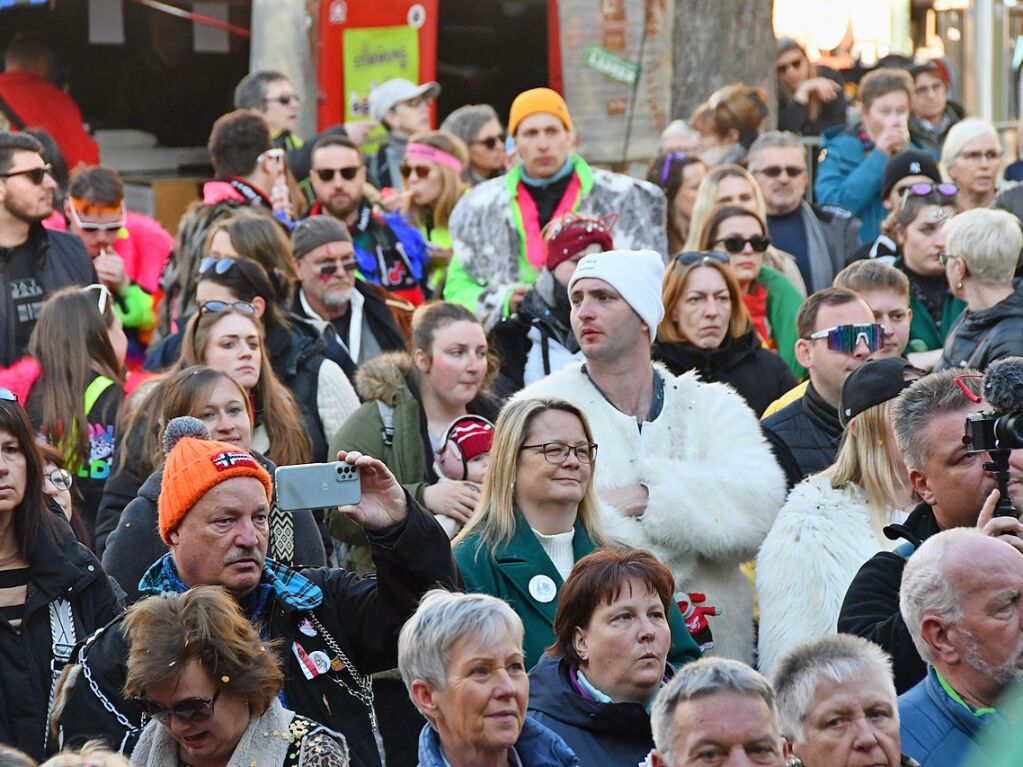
[955, 490]
[333, 628]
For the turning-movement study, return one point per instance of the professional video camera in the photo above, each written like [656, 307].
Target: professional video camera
[999, 431]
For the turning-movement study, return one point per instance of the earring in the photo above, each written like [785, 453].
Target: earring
[959, 286]
[794, 761]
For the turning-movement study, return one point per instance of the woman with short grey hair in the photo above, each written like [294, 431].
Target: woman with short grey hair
[479, 127]
[837, 705]
[982, 249]
[460, 656]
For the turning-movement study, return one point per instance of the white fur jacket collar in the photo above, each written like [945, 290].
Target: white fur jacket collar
[714, 487]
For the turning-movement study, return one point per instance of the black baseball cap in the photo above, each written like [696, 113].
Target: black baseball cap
[909, 163]
[873, 383]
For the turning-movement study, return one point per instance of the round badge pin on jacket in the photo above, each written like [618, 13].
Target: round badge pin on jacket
[543, 588]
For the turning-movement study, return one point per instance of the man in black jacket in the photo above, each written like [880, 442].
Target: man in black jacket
[333, 629]
[837, 334]
[928, 419]
[355, 322]
[34, 262]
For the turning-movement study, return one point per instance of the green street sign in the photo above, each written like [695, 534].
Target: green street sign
[610, 65]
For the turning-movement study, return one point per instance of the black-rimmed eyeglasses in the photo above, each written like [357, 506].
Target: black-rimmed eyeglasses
[557, 452]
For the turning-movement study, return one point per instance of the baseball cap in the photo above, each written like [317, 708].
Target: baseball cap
[873, 383]
[387, 95]
[910, 163]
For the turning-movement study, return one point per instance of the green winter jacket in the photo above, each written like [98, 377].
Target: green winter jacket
[509, 572]
[783, 302]
[924, 333]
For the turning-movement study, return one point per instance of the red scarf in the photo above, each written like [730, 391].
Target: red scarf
[756, 303]
[536, 249]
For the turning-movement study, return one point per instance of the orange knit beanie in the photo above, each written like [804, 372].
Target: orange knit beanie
[194, 464]
[533, 102]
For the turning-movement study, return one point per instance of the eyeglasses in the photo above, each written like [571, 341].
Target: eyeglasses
[416, 102]
[923, 189]
[944, 258]
[845, 338]
[60, 479]
[7, 395]
[991, 155]
[220, 307]
[329, 270]
[693, 257]
[104, 297]
[774, 171]
[35, 175]
[736, 244]
[557, 452]
[188, 710]
[490, 142]
[327, 174]
[90, 227]
[285, 98]
[421, 171]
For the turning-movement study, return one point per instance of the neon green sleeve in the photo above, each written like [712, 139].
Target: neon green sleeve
[135, 308]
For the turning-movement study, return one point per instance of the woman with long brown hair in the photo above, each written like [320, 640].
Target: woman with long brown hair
[130, 539]
[79, 344]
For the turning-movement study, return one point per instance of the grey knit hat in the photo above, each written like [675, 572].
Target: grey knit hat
[465, 122]
[310, 233]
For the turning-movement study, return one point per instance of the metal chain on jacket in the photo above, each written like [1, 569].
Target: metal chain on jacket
[63, 637]
[340, 663]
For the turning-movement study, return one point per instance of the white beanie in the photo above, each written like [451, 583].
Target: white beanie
[636, 275]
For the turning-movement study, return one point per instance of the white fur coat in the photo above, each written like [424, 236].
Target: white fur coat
[818, 543]
[714, 486]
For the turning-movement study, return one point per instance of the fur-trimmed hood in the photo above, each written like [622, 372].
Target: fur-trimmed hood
[383, 376]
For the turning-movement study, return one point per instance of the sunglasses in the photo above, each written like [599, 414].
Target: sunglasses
[783, 68]
[276, 154]
[6, 395]
[60, 479]
[326, 175]
[845, 338]
[104, 297]
[220, 307]
[331, 269]
[285, 99]
[923, 189]
[491, 142]
[421, 171]
[416, 102]
[693, 257]
[188, 710]
[89, 227]
[35, 175]
[736, 244]
[774, 171]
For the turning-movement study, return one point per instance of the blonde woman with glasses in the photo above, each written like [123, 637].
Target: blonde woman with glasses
[537, 516]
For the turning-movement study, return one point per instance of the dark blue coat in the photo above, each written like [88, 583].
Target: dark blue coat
[937, 730]
[611, 734]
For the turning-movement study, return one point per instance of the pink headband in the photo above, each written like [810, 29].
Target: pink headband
[432, 154]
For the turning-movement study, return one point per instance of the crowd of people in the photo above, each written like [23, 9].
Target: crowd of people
[668, 471]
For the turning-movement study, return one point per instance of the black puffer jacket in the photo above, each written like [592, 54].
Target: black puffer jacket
[60, 260]
[135, 543]
[758, 374]
[362, 616]
[598, 733]
[871, 606]
[804, 436]
[979, 338]
[60, 567]
[296, 354]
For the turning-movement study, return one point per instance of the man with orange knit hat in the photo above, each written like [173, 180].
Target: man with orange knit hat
[332, 629]
[496, 228]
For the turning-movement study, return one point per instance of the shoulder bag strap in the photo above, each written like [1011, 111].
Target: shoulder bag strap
[64, 638]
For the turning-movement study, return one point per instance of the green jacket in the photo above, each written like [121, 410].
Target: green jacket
[507, 574]
[783, 302]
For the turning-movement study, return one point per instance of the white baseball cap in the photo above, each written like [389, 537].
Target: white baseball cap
[384, 97]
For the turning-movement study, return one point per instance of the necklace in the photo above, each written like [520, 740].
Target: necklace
[363, 683]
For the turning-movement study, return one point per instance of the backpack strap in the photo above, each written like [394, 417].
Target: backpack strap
[64, 637]
[387, 428]
[12, 117]
[94, 391]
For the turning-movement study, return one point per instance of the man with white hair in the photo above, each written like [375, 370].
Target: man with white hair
[967, 624]
[716, 711]
[822, 238]
[670, 447]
